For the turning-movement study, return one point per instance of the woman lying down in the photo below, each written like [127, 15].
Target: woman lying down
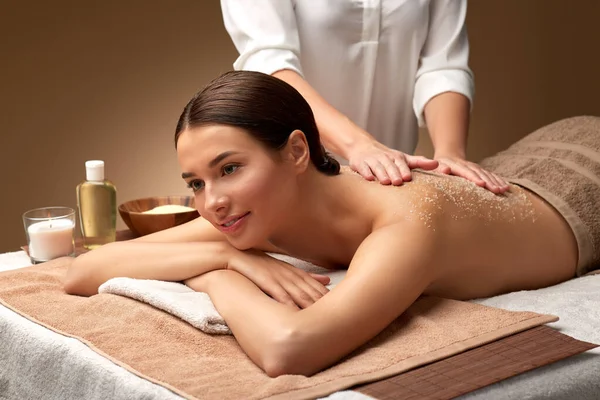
[249, 149]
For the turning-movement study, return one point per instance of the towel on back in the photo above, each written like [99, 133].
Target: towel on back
[560, 163]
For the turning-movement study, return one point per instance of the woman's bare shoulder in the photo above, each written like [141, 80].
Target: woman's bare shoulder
[415, 204]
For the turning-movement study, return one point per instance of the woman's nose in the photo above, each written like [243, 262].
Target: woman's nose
[215, 201]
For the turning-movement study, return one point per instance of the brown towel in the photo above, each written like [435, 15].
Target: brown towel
[163, 349]
[560, 162]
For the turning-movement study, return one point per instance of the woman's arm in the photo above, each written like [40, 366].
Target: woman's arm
[341, 135]
[186, 251]
[447, 116]
[162, 261]
[387, 274]
[443, 68]
[444, 90]
[172, 254]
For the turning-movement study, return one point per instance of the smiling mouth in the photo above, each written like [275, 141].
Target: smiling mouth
[233, 221]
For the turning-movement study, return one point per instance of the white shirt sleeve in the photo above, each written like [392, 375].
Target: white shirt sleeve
[264, 33]
[443, 64]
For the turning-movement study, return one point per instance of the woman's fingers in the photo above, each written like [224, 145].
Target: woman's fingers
[283, 282]
[281, 295]
[303, 294]
[475, 173]
[315, 289]
[389, 170]
[500, 182]
[376, 161]
[318, 283]
[491, 182]
[301, 286]
[364, 170]
[421, 162]
[404, 168]
[467, 173]
[444, 168]
[322, 279]
[381, 171]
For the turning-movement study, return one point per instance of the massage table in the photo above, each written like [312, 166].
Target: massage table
[39, 363]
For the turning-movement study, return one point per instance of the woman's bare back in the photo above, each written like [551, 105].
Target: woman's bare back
[490, 243]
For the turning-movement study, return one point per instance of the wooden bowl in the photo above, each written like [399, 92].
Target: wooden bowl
[140, 223]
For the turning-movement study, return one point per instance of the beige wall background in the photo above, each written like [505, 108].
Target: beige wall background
[108, 80]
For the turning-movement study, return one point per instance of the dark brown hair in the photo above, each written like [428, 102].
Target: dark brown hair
[266, 107]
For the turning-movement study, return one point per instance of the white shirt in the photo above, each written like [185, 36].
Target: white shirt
[377, 61]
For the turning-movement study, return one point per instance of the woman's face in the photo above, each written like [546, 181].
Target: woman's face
[240, 186]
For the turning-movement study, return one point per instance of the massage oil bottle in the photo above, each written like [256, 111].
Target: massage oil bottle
[97, 204]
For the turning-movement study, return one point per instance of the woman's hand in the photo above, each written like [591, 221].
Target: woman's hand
[280, 280]
[373, 161]
[458, 166]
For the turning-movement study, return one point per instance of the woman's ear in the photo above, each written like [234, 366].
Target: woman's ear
[297, 150]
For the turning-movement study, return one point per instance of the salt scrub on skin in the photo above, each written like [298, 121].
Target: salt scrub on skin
[471, 201]
[169, 209]
[433, 192]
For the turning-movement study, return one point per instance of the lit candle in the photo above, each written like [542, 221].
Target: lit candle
[50, 239]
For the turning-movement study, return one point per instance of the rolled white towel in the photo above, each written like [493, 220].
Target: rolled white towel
[196, 308]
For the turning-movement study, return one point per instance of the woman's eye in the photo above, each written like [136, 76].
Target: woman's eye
[196, 185]
[230, 169]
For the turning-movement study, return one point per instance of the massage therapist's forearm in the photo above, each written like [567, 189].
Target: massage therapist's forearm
[447, 118]
[338, 133]
[161, 261]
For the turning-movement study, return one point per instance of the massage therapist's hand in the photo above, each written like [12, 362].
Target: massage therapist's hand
[373, 161]
[280, 280]
[453, 165]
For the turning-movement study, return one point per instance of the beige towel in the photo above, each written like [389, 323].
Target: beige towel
[560, 162]
[164, 349]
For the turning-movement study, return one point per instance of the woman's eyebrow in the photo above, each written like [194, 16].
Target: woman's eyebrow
[221, 157]
[211, 164]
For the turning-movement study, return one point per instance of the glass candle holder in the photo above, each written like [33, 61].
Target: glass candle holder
[49, 232]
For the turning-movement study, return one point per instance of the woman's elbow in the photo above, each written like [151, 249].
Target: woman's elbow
[77, 287]
[275, 368]
[76, 282]
[287, 355]
[283, 364]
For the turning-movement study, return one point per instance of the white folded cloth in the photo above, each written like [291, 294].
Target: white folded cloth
[172, 297]
[196, 308]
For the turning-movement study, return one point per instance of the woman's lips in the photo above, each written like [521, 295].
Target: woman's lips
[235, 226]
